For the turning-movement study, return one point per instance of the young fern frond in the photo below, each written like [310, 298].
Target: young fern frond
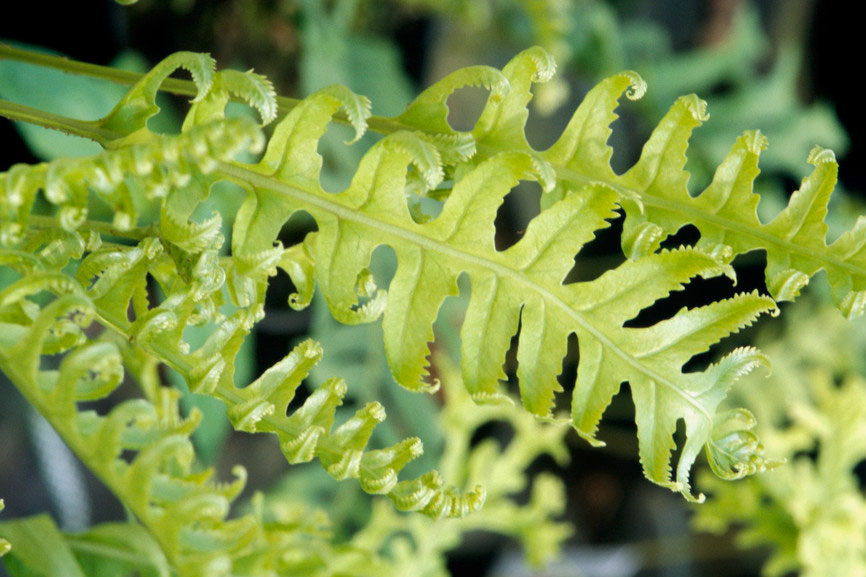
[812, 411]
[185, 511]
[156, 166]
[141, 449]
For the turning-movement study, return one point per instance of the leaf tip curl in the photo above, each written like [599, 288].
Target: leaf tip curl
[734, 450]
[696, 106]
[545, 66]
[754, 141]
[819, 156]
[356, 107]
[637, 85]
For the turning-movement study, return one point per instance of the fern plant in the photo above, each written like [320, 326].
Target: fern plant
[94, 302]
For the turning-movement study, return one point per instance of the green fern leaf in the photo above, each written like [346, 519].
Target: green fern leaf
[521, 286]
[429, 111]
[518, 291]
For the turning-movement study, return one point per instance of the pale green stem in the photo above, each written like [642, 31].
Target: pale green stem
[82, 128]
[173, 85]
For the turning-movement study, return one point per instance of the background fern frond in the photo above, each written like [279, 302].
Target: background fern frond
[810, 411]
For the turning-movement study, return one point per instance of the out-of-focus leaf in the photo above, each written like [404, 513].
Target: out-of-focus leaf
[119, 550]
[38, 549]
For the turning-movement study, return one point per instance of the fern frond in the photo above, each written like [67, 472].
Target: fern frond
[141, 448]
[252, 88]
[185, 511]
[259, 406]
[811, 511]
[521, 286]
[811, 411]
[503, 470]
[516, 290]
[307, 433]
[157, 483]
[111, 278]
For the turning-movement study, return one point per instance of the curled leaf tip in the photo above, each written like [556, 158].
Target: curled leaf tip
[356, 107]
[787, 284]
[430, 388]
[854, 304]
[819, 156]
[754, 141]
[545, 65]
[637, 85]
[696, 106]
[692, 499]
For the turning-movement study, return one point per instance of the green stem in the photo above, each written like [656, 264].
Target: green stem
[173, 85]
[82, 128]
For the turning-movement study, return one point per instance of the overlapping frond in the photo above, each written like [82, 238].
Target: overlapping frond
[141, 448]
[156, 166]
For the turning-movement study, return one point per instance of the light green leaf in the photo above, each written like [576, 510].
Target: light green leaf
[130, 115]
[38, 549]
[520, 285]
[116, 549]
